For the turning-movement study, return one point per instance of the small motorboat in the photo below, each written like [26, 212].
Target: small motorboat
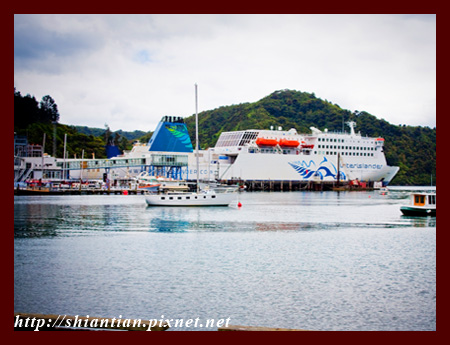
[421, 204]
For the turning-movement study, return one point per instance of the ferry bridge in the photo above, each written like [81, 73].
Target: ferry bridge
[157, 164]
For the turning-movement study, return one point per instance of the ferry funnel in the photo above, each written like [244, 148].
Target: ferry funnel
[171, 135]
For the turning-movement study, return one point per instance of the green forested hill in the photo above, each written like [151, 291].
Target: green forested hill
[413, 148]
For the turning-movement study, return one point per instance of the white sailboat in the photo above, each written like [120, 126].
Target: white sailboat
[205, 197]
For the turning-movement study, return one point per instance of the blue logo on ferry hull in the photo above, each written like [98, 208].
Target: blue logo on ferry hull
[325, 169]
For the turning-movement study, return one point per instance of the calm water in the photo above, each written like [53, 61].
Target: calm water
[312, 260]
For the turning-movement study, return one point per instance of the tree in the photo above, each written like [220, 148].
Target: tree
[49, 109]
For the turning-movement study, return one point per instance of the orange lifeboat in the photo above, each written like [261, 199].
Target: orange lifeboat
[289, 143]
[266, 142]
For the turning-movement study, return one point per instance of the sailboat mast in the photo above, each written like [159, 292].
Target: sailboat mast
[196, 135]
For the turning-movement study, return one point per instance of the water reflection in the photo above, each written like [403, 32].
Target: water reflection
[168, 225]
[420, 222]
[88, 215]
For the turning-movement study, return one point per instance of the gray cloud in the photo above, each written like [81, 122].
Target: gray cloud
[129, 70]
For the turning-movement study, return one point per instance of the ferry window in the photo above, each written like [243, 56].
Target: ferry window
[179, 198]
[163, 198]
[188, 197]
[204, 196]
[170, 198]
[213, 196]
[431, 199]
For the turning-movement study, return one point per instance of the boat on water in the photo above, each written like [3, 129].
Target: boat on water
[202, 197]
[421, 204]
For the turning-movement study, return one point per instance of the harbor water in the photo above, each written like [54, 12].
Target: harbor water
[332, 261]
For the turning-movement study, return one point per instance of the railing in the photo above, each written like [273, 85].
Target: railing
[154, 159]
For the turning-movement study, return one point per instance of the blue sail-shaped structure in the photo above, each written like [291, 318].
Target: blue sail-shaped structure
[112, 151]
[171, 135]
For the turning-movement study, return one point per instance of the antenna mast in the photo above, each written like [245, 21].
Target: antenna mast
[196, 135]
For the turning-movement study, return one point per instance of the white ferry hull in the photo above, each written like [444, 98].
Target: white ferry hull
[278, 167]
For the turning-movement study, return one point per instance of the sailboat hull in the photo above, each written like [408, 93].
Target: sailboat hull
[190, 199]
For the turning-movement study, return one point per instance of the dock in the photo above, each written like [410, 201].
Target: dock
[250, 186]
[76, 191]
[290, 186]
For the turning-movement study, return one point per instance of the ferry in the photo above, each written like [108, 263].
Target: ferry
[279, 155]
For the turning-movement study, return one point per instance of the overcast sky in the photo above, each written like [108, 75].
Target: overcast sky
[128, 71]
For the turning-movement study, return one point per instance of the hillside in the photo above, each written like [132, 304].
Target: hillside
[96, 132]
[413, 148]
